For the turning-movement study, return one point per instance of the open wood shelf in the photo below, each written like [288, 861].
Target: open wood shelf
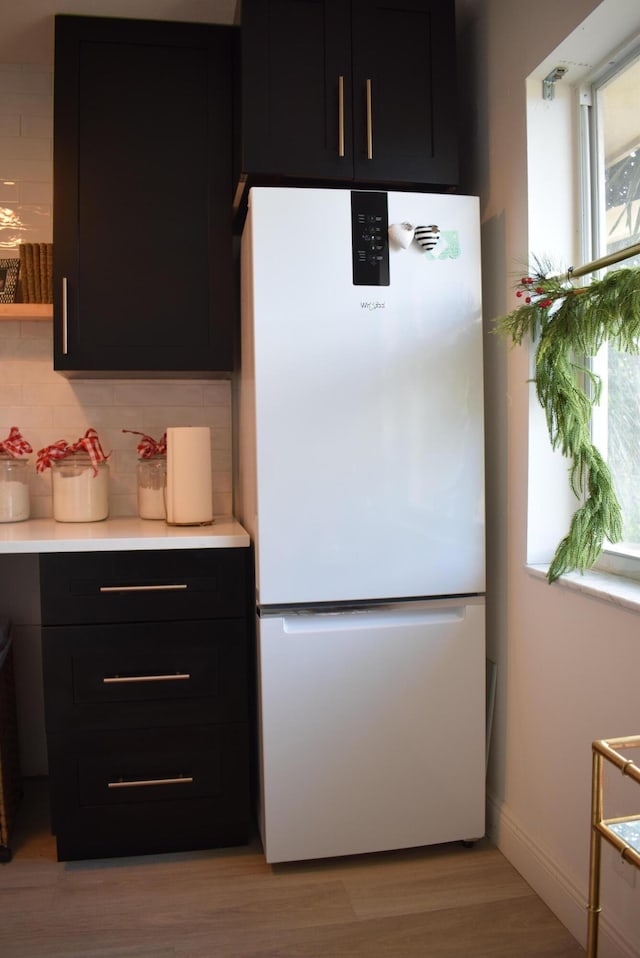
[13, 311]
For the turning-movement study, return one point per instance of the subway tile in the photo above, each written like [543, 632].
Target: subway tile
[9, 125]
[31, 104]
[48, 394]
[9, 334]
[37, 126]
[222, 482]
[36, 329]
[87, 393]
[222, 504]
[26, 83]
[12, 168]
[39, 371]
[10, 394]
[36, 220]
[27, 349]
[33, 193]
[222, 460]
[9, 198]
[159, 394]
[214, 416]
[220, 438]
[216, 393]
[40, 506]
[24, 148]
[120, 506]
[11, 372]
[25, 416]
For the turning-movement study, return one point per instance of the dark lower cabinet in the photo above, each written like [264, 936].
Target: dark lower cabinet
[143, 274]
[351, 90]
[147, 720]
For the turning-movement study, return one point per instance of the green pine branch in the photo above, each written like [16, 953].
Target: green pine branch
[568, 324]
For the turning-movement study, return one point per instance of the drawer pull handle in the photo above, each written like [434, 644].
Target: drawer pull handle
[170, 677]
[65, 317]
[144, 588]
[133, 783]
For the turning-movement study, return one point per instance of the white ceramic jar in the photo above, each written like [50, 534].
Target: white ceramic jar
[14, 489]
[152, 478]
[80, 490]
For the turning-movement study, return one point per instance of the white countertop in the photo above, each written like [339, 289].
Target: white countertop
[118, 535]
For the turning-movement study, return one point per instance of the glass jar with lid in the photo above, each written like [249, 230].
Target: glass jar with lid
[14, 489]
[80, 489]
[152, 477]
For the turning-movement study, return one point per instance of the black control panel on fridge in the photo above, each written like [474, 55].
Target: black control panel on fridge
[370, 239]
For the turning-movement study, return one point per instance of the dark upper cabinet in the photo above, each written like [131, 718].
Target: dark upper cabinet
[350, 90]
[143, 278]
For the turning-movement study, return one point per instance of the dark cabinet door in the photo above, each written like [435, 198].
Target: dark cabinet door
[296, 88]
[361, 91]
[404, 86]
[142, 190]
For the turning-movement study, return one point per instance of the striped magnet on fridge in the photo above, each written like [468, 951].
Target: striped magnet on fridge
[427, 236]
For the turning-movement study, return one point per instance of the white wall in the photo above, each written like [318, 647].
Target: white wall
[568, 663]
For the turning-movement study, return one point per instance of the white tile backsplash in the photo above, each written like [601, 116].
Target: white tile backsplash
[46, 407]
[43, 404]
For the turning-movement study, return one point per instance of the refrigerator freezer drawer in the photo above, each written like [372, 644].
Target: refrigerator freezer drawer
[372, 729]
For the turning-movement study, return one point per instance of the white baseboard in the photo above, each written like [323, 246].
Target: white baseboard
[539, 868]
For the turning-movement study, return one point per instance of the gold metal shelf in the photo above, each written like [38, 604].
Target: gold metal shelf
[623, 833]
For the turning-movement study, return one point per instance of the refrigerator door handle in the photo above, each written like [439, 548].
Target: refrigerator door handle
[369, 121]
[376, 618]
[340, 116]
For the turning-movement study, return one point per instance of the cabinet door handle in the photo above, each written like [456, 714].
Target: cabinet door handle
[340, 116]
[170, 677]
[369, 122]
[135, 783]
[144, 588]
[65, 328]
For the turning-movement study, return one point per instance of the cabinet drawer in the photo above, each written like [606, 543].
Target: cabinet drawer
[195, 791]
[143, 586]
[161, 673]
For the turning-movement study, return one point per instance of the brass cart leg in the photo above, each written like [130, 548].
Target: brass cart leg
[597, 811]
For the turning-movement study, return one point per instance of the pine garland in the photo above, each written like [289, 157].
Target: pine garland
[570, 322]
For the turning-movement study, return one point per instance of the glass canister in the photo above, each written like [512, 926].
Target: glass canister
[80, 489]
[14, 489]
[152, 477]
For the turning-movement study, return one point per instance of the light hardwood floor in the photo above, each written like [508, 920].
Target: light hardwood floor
[446, 900]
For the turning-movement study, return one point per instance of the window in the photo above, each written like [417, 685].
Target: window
[614, 199]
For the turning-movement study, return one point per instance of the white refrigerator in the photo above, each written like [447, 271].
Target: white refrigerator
[360, 478]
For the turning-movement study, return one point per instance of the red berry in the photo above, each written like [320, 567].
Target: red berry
[528, 299]
[519, 293]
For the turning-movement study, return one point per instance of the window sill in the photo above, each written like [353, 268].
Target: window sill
[614, 589]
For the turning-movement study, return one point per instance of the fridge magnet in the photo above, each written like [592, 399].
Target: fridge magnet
[401, 234]
[8, 280]
[448, 246]
[427, 236]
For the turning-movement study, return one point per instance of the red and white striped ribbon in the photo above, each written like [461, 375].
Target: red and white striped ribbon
[89, 443]
[148, 447]
[15, 445]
